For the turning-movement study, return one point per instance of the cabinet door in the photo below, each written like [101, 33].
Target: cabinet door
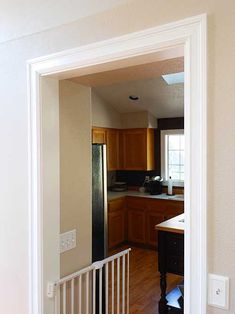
[136, 226]
[174, 208]
[98, 136]
[116, 228]
[135, 149]
[153, 218]
[113, 149]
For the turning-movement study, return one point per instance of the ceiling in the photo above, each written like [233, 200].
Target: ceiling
[155, 96]
[145, 81]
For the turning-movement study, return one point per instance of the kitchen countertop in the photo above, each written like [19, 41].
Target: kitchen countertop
[175, 225]
[115, 195]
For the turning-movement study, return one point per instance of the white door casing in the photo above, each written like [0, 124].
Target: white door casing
[191, 33]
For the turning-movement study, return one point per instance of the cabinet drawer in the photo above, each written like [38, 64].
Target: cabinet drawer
[175, 245]
[115, 205]
[174, 207]
[136, 203]
[175, 264]
[157, 205]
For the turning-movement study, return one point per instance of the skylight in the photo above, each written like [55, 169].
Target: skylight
[174, 78]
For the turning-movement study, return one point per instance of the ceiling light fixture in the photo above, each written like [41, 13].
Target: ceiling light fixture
[174, 78]
[133, 97]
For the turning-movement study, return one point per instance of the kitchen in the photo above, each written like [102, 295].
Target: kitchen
[137, 197]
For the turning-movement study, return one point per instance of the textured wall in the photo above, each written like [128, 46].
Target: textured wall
[133, 16]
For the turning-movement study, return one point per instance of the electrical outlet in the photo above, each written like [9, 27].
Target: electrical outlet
[218, 291]
[68, 240]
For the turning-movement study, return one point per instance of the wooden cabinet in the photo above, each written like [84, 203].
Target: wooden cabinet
[116, 222]
[157, 212]
[113, 149]
[137, 149]
[116, 227]
[136, 219]
[133, 219]
[99, 136]
[153, 218]
[110, 137]
[144, 214]
[136, 226]
[130, 149]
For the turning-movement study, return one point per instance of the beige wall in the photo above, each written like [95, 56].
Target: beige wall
[75, 173]
[133, 16]
[103, 114]
[141, 119]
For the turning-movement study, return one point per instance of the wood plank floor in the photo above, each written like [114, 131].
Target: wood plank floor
[145, 280]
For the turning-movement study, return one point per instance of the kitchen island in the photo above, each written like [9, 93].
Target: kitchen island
[170, 260]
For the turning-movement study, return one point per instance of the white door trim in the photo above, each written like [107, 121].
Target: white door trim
[191, 33]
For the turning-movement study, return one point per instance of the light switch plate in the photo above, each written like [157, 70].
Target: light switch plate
[68, 240]
[218, 291]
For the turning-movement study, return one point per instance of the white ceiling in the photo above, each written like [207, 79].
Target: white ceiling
[155, 96]
[24, 17]
[144, 80]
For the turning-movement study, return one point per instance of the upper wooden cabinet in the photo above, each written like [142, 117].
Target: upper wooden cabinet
[110, 137]
[99, 136]
[137, 149]
[113, 149]
[130, 149]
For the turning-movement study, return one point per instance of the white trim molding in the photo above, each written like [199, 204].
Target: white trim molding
[189, 33]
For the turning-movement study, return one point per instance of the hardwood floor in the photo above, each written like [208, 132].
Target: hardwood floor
[145, 280]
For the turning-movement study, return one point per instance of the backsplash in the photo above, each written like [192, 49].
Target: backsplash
[111, 178]
[134, 177]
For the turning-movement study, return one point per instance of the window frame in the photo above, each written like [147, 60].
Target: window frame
[164, 154]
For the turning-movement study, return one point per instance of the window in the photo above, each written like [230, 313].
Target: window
[172, 155]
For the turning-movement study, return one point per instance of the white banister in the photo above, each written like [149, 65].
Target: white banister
[128, 284]
[123, 284]
[87, 293]
[118, 285]
[107, 288]
[72, 296]
[112, 286]
[94, 291]
[64, 298]
[91, 286]
[80, 294]
[100, 290]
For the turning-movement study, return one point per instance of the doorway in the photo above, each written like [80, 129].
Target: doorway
[129, 49]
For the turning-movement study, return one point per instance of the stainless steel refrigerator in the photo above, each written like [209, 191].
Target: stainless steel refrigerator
[99, 202]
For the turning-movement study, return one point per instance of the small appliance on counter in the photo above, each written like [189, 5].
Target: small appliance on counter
[119, 187]
[155, 185]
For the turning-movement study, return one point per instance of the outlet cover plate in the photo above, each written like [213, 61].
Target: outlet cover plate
[68, 240]
[218, 291]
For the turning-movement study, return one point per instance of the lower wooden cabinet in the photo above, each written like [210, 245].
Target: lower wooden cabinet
[153, 218]
[133, 219]
[116, 228]
[136, 226]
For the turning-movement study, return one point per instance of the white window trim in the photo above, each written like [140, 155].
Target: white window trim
[164, 153]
